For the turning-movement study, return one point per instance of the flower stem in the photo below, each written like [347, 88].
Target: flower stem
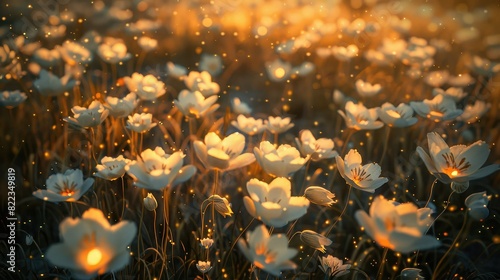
[382, 264]
[386, 141]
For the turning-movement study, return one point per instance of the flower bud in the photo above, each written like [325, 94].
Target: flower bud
[315, 240]
[319, 195]
[207, 242]
[411, 274]
[29, 239]
[150, 202]
[220, 203]
[477, 204]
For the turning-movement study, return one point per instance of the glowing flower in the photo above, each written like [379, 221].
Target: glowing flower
[192, 104]
[201, 82]
[440, 108]
[278, 70]
[224, 154]
[92, 116]
[49, 84]
[472, 113]
[121, 107]
[366, 89]
[67, 186]
[280, 162]
[211, 63]
[11, 99]
[315, 240]
[155, 170]
[411, 274]
[91, 246]
[46, 57]
[319, 195]
[362, 177]
[268, 252]
[203, 267]
[399, 227]
[147, 44]
[317, 149]
[333, 266]
[74, 53]
[401, 116]
[240, 107]
[111, 168]
[113, 51]
[146, 87]
[150, 202]
[483, 66]
[345, 53]
[175, 70]
[477, 205]
[437, 78]
[272, 203]
[457, 164]
[140, 123]
[221, 205]
[278, 124]
[461, 80]
[454, 93]
[249, 126]
[358, 117]
[206, 242]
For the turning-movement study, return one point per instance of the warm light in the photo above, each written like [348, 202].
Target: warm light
[279, 73]
[454, 173]
[393, 114]
[94, 256]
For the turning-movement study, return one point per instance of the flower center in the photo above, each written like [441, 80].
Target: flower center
[393, 114]
[94, 256]
[67, 188]
[359, 174]
[453, 168]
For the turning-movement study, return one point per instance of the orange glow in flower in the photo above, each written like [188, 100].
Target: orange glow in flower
[94, 256]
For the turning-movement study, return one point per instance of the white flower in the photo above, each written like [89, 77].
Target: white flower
[366, 89]
[249, 126]
[411, 274]
[193, 104]
[175, 70]
[345, 53]
[437, 78]
[90, 246]
[201, 82]
[92, 116]
[74, 53]
[454, 93]
[440, 108]
[399, 227]
[140, 123]
[362, 177]
[317, 149]
[211, 63]
[268, 252]
[472, 113]
[111, 168]
[358, 117]
[49, 84]
[121, 107]
[333, 266]
[147, 44]
[278, 124]
[483, 66]
[315, 240]
[224, 154]
[457, 164]
[278, 70]
[155, 170]
[461, 80]
[150, 202]
[67, 186]
[240, 107]
[11, 99]
[477, 205]
[280, 162]
[319, 195]
[113, 51]
[272, 203]
[146, 87]
[203, 267]
[401, 116]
